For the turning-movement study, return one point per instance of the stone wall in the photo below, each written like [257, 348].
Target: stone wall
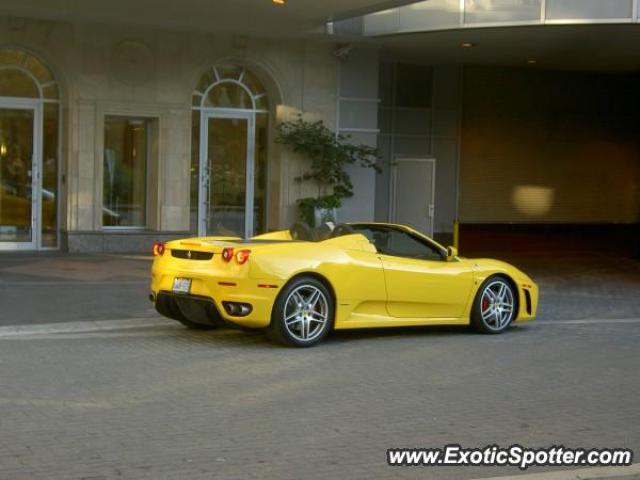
[119, 70]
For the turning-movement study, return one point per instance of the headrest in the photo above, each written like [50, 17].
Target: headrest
[301, 231]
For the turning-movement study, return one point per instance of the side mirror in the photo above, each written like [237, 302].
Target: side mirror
[452, 253]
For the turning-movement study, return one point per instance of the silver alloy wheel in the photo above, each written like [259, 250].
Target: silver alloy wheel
[497, 305]
[306, 311]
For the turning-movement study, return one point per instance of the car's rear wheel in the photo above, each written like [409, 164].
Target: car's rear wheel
[303, 313]
[495, 306]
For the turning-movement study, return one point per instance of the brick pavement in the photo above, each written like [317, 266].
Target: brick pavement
[163, 402]
[168, 403]
[49, 288]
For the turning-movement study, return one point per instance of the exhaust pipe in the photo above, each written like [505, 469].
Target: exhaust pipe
[237, 309]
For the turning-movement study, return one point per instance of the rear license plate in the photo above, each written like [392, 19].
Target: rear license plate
[181, 285]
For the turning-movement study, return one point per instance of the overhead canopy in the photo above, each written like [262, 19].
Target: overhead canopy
[251, 17]
[606, 48]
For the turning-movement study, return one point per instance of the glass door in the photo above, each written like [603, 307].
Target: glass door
[18, 175]
[227, 173]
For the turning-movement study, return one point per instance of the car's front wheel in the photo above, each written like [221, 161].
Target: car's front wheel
[303, 313]
[495, 306]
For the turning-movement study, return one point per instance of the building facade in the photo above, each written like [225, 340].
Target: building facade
[106, 132]
[112, 137]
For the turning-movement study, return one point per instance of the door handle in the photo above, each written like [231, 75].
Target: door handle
[430, 209]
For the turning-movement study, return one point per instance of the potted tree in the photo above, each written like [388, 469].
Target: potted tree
[329, 154]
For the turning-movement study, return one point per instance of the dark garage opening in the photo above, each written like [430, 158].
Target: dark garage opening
[549, 161]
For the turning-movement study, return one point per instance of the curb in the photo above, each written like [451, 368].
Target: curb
[78, 327]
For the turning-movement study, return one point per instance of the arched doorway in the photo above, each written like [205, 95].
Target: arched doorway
[29, 153]
[230, 121]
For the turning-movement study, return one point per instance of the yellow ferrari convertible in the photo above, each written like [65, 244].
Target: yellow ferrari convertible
[300, 284]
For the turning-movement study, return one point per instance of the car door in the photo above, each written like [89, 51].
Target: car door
[420, 282]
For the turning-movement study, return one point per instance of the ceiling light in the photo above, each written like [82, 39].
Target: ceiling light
[468, 45]
[532, 61]
[279, 2]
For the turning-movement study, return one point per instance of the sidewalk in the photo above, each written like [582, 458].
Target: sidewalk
[57, 287]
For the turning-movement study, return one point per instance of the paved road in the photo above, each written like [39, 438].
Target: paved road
[37, 289]
[164, 402]
[582, 285]
[146, 398]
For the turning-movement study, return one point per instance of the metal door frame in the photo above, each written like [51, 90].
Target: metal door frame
[35, 105]
[394, 187]
[203, 173]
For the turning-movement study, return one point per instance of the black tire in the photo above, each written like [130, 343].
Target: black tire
[285, 304]
[497, 318]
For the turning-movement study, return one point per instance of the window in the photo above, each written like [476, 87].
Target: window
[29, 151]
[487, 11]
[230, 121]
[230, 86]
[596, 9]
[16, 83]
[398, 243]
[126, 152]
[413, 85]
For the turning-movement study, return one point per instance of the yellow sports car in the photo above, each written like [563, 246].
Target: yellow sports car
[300, 284]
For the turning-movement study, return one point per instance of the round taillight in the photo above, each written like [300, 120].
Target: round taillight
[227, 254]
[242, 256]
[158, 249]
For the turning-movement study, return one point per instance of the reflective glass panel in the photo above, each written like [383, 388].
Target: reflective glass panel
[207, 79]
[227, 176]
[260, 177]
[125, 172]
[50, 176]
[261, 103]
[229, 71]
[594, 9]
[10, 56]
[429, 15]
[379, 23]
[413, 85]
[252, 83]
[195, 165]
[50, 91]
[16, 154]
[15, 83]
[487, 11]
[223, 205]
[228, 95]
[38, 70]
